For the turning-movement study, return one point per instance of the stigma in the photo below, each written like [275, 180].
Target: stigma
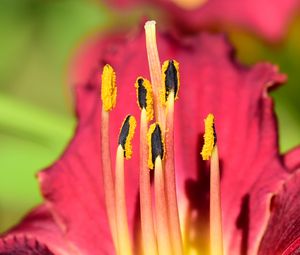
[161, 229]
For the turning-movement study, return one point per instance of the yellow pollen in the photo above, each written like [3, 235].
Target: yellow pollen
[189, 5]
[149, 96]
[108, 89]
[160, 143]
[209, 137]
[128, 145]
[165, 91]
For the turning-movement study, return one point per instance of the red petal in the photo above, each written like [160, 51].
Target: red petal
[73, 187]
[265, 17]
[282, 235]
[37, 233]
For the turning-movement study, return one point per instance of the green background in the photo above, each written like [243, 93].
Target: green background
[38, 39]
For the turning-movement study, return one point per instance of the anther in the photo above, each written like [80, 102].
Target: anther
[145, 96]
[210, 137]
[170, 78]
[108, 89]
[156, 144]
[126, 135]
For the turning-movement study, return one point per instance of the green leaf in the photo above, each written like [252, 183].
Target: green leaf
[31, 139]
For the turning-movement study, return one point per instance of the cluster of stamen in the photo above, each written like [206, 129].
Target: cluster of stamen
[160, 224]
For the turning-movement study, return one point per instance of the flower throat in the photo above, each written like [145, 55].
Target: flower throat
[160, 224]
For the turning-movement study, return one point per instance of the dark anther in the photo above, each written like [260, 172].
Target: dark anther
[157, 144]
[124, 132]
[171, 80]
[142, 93]
[215, 134]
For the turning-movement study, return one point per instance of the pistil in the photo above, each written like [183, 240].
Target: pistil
[124, 150]
[210, 150]
[145, 102]
[171, 85]
[155, 71]
[108, 96]
[156, 155]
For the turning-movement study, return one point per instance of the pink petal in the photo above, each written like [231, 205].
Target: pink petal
[282, 235]
[291, 159]
[36, 233]
[267, 18]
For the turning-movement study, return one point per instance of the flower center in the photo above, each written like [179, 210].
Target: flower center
[160, 224]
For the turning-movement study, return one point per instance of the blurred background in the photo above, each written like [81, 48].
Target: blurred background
[38, 38]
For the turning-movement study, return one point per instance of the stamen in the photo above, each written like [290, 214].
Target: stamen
[145, 96]
[155, 71]
[145, 102]
[156, 152]
[170, 78]
[171, 81]
[210, 148]
[108, 96]
[126, 134]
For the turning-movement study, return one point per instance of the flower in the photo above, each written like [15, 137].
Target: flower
[259, 188]
[265, 18]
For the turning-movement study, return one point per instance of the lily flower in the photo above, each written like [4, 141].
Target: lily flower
[244, 200]
[265, 18]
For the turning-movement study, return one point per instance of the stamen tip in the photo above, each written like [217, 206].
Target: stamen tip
[126, 135]
[108, 88]
[170, 79]
[209, 137]
[145, 96]
[155, 143]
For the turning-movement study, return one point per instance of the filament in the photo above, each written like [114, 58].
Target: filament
[124, 242]
[148, 234]
[216, 234]
[170, 180]
[162, 224]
